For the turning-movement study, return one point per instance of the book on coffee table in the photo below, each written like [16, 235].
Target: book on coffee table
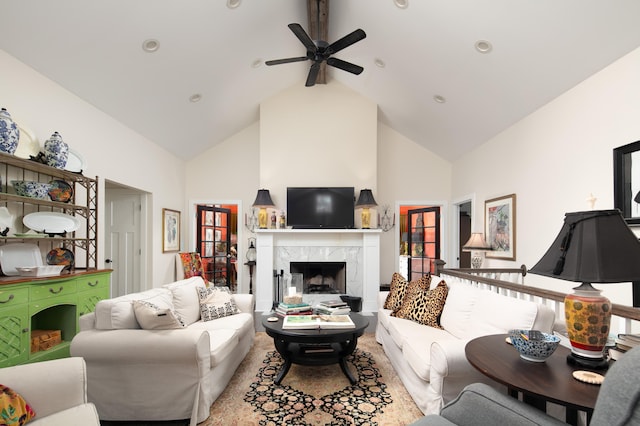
[303, 322]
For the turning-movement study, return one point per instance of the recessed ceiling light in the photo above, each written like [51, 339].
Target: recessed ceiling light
[402, 4]
[150, 45]
[379, 63]
[195, 97]
[257, 63]
[232, 4]
[439, 99]
[483, 46]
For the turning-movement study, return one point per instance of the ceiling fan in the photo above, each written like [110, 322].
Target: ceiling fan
[319, 51]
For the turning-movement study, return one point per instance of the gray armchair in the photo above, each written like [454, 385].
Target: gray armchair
[618, 403]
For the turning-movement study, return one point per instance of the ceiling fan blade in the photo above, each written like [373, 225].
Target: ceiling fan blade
[302, 36]
[346, 41]
[286, 61]
[313, 74]
[345, 66]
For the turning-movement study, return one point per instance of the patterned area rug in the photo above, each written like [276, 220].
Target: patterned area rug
[314, 395]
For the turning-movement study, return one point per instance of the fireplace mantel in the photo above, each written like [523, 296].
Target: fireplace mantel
[360, 248]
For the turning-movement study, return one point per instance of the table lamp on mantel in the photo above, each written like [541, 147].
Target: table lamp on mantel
[263, 200]
[366, 201]
[592, 247]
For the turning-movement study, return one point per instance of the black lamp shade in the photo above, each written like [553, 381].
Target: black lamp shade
[366, 199]
[263, 199]
[592, 247]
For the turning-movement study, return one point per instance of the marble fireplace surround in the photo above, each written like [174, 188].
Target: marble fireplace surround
[359, 248]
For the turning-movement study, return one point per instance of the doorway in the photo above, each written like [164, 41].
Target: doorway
[420, 240]
[125, 222]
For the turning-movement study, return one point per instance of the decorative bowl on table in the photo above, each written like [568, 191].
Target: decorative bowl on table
[534, 345]
[31, 189]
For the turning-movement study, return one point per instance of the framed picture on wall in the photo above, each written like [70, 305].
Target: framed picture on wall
[500, 226]
[170, 230]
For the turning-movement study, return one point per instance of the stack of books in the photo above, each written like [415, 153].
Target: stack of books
[333, 307]
[623, 342]
[307, 322]
[284, 309]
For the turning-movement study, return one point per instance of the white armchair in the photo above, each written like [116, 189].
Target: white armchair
[56, 390]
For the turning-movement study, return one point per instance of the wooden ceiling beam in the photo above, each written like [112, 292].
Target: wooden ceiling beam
[318, 14]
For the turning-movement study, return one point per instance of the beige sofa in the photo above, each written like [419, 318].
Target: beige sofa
[167, 374]
[56, 390]
[431, 362]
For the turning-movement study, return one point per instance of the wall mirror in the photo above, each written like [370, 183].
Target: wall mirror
[626, 181]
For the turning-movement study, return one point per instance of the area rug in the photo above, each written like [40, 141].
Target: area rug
[314, 395]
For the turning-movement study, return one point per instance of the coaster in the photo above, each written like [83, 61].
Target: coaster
[272, 319]
[588, 377]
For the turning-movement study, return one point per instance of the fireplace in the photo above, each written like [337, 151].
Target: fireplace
[321, 277]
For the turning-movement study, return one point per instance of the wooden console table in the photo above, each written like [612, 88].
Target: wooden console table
[539, 382]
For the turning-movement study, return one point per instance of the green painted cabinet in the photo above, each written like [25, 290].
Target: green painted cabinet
[46, 304]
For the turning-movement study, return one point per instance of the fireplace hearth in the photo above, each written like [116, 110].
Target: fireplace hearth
[321, 277]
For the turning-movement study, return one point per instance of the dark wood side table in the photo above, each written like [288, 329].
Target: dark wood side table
[539, 382]
[315, 347]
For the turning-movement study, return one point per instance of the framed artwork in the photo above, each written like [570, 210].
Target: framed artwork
[208, 234]
[500, 227]
[208, 218]
[170, 230]
[626, 181]
[218, 235]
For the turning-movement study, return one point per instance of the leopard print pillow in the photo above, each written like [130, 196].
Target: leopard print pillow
[412, 289]
[396, 292]
[426, 306]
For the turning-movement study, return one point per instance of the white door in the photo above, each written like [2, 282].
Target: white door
[122, 239]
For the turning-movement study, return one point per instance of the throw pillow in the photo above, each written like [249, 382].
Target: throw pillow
[426, 306]
[413, 288]
[153, 317]
[14, 410]
[216, 302]
[192, 264]
[396, 292]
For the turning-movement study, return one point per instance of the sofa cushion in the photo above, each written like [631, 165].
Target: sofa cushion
[222, 342]
[216, 302]
[117, 313]
[417, 349]
[241, 322]
[85, 414]
[426, 306]
[494, 313]
[456, 314]
[185, 298]
[398, 288]
[153, 317]
[412, 290]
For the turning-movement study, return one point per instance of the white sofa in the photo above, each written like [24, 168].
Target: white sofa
[431, 362]
[56, 390]
[170, 374]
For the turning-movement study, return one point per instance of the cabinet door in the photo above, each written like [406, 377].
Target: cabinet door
[14, 335]
[87, 300]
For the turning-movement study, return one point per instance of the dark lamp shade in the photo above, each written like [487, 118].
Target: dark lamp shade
[366, 199]
[592, 247]
[263, 199]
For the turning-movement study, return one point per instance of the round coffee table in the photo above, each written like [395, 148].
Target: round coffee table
[315, 347]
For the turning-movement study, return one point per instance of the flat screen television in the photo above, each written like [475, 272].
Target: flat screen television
[316, 208]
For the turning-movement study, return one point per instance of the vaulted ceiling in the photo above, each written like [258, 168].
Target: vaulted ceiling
[416, 53]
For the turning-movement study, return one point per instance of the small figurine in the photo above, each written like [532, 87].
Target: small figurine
[273, 220]
[283, 222]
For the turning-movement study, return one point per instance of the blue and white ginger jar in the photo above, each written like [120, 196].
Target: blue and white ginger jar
[9, 133]
[56, 151]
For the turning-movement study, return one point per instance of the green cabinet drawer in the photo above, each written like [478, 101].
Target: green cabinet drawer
[94, 282]
[49, 290]
[13, 296]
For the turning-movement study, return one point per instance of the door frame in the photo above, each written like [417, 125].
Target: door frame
[455, 226]
[444, 214]
[242, 235]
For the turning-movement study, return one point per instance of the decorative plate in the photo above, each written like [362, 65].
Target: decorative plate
[61, 256]
[75, 163]
[51, 222]
[60, 191]
[28, 144]
[19, 254]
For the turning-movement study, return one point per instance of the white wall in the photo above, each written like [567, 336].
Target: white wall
[553, 159]
[111, 150]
